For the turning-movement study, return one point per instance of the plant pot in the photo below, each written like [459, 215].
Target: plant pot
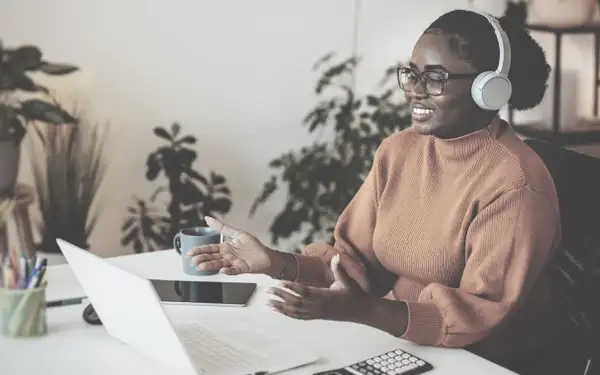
[9, 165]
[561, 13]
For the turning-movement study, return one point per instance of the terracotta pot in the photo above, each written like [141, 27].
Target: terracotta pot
[9, 164]
[561, 13]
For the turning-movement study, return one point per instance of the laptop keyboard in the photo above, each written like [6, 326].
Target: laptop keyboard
[212, 353]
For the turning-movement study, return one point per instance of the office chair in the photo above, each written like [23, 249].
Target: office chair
[575, 270]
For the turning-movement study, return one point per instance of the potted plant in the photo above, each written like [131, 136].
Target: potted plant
[320, 179]
[189, 195]
[69, 166]
[18, 109]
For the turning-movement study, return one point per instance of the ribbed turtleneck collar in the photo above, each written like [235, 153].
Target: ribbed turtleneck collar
[465, 146]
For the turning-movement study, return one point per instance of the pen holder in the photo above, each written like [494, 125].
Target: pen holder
[23, 312]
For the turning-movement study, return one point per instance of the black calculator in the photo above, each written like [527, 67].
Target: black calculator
[395, 362]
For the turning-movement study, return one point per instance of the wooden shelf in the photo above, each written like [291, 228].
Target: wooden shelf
[582, 134]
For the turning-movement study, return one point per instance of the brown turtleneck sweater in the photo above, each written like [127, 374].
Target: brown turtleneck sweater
[460, 229]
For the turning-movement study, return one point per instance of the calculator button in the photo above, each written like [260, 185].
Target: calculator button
[385, 356]
[370, 362]
[413, 359]
[406, 355]
[420, 363]
[377, 365]
[384, 368]
[405, 361]
[398, 351]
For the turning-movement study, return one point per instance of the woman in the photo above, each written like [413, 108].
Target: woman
[457, 219]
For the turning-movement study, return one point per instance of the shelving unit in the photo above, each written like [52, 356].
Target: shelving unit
[578, 135]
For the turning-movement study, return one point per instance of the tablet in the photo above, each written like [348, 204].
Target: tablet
[213, 293]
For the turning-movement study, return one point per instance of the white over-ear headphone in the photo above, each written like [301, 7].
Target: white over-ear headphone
[491, 90]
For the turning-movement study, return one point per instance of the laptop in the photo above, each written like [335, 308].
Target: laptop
[132, 313]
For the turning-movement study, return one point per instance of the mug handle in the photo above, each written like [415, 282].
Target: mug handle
[177, 242]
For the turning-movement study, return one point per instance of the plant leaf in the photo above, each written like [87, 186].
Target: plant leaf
[57, 69]
[39, 110]
[23, 58]
[175, 129]
[190, 139]
[162, 133]
[152, 167]
[22, 82]
[197, 176]
[217, 179]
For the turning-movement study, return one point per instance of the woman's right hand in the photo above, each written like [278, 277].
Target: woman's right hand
[242, 253]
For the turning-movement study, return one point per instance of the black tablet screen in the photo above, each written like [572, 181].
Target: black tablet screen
[204, 292]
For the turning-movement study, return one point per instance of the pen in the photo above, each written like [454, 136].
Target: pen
[37, 274]
[65, 302]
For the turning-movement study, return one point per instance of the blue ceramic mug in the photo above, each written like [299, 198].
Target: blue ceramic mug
[190, 238]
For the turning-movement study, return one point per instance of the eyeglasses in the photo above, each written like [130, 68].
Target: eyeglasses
[433, 81]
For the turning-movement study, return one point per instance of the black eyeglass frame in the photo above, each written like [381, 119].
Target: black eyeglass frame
[421, 78]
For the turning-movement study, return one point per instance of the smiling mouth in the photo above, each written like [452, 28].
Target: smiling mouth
[421, 114]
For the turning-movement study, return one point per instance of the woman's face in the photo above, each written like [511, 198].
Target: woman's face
[451, 114]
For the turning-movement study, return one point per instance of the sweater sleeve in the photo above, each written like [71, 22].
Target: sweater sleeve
[508, 245]
[353, 235]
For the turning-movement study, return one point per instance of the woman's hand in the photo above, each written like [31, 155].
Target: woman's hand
[243, 253]
[344, 300]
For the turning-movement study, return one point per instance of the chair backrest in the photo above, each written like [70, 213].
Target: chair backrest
[576, 267]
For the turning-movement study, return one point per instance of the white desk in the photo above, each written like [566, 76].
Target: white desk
[74, 347]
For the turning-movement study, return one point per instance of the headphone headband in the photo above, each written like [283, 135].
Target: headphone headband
[503, 45]
[491, 90]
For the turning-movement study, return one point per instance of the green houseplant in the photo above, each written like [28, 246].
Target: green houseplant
[191, 195]
[69, 166]
[22, 102]
[320, 179]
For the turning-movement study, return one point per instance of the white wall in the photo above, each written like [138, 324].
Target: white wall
[235, 73]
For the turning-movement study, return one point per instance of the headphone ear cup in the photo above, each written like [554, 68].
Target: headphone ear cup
[478, 87]
[491, 90]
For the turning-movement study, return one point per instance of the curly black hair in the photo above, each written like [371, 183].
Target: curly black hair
[473, 39]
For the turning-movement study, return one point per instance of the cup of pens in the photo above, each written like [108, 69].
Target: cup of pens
[23, 297]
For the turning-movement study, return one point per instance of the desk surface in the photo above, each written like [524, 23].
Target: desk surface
[73, 347]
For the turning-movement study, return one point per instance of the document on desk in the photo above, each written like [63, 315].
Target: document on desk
[240, 344]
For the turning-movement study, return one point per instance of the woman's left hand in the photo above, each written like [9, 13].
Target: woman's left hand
[344, 300]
